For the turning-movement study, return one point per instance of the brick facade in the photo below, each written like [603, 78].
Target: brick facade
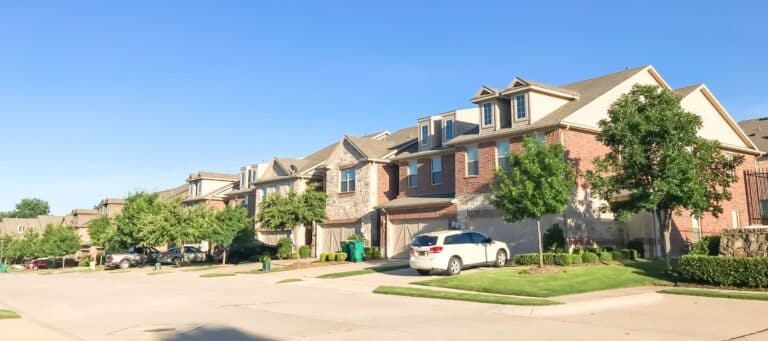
[387, 183]
[425, 186]
[423, 213]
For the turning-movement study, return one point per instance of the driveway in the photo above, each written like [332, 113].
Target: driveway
[184, 306]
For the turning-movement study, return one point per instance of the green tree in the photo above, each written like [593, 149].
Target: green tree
[30, 208]
[102, 233]
[140, 208]
[291, 210]
[232, 226]
[539, 181]
[176, 224]
[657, 162]
[60, 241]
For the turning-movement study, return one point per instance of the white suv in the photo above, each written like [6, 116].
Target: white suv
[453, 250]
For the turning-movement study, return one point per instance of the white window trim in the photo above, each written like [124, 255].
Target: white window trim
[424, 141]
[348, 181]
[482, 115]
[527, 109]
[695, 221]
[432, 170]
[467, 161]
[735, 218]
[20, 229]
[498, 156]
[445, 129]
[413, 184]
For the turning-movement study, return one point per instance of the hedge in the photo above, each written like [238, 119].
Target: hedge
[341, 256]
[562, 259]
[576, 258]
[324, 257]
[590, 257]
[305, 251]
[605, 256]
[727, 271]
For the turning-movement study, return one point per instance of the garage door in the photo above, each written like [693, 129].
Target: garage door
[520, 237]
[400, 233]
[331, 235]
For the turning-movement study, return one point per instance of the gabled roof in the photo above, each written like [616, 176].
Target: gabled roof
[213, 176]
[486, 91]
[378, 149]
[687, 90]
[171, 193]
[757, 130]
[518, 84]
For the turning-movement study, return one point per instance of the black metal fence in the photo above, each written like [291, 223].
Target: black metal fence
[756, 184]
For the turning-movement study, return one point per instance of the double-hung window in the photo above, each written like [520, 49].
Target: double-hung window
[520, 107]
[425, 134]
[413, 173]
[437, 171]
[448, 129]
[473, 165]
[199, 188]
[502, 155]
[191, 190]
[696, 227]
[487, 114]
[347, 180]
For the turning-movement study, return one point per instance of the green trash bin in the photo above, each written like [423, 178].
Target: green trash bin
[345, 245]
[356, 251]
[3, 268]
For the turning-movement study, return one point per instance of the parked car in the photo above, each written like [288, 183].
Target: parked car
[191, 255]
[134, 256]
[38, 264]
[454, 250]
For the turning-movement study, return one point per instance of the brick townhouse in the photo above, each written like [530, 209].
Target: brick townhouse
[444, 181]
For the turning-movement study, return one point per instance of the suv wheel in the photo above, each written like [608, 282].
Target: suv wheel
[177, 262]
[125, 264]
[454, 266]
[501, 259]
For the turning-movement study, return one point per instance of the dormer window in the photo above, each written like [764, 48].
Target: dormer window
[448, 129]
[253, 175]
[520, 108]
[191, 190]
[487, 114]
[199, 188]
[425, 134]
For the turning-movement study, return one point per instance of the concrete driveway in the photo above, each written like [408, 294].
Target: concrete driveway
[184, 306]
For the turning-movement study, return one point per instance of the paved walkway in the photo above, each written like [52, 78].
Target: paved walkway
[181, 306]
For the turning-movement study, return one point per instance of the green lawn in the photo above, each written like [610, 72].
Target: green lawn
[200, 268]
[294, 266]
[759, 296]
[158, 273]
[217, 274]
[289, 280]
[7, 314]
[572, 280]
[461, 296]
[365, 271]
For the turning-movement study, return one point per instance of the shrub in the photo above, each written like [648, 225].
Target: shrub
[638, 246]
[341, 256]
[590, 257]
[554, 239]
[85, 260]
[576, 258]
[605, 256]
[375, 252]
[728, 271]
[562, 259]
[533, 259]
[355, 236]
[305, 251]
[367, 252]
[293, 255]
[617, 255]
[629, 254]
[707, 246]
[265, 259]
[324, 257]
[284, 247]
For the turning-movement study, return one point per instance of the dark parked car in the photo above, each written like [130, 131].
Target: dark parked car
[191, 255]
[134, 256]
[38, 264]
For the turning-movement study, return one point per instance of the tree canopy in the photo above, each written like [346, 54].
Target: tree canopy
[539, 181]
[140, 208]
[657, 162]
[293, 209]
[28, 208]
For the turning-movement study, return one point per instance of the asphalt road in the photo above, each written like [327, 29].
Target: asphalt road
[184, 306]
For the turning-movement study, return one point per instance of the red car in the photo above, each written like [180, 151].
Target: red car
[37, 264]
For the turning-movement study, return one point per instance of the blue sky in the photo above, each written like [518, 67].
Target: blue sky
[99, 99]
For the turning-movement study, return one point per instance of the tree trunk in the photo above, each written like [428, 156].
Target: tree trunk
[664, 219]
[224, 258]
[541, 251]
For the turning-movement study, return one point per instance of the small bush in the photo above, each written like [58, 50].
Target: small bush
[367, 252]
[323, 256]
[265, 259]
[576, 258]
[629, 254]
[728, 271]
[590, 258]
[533, 259]
[375, 252]
[341, 256]
[355, 236]
[617, 255]
[284, 248]
[605, 256]
[85, 260]
[554, 239]
[562, 259]
[305, 251]
[293, 255]
[638, 246]
[707, 246]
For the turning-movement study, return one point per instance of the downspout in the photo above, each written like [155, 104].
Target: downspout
[383, 232]
[566, 226]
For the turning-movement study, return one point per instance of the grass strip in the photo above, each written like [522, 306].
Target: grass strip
[200, 268]
[7, 314]
[217, 274]
[289, 280]
[158, 273]
[375, 269]
[119, 271]
[757, 296]
[462, 296]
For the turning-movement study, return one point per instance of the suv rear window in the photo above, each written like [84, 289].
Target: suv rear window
[424, 241]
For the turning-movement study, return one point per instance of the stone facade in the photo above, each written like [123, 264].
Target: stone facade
[356, 205]
[744, 242]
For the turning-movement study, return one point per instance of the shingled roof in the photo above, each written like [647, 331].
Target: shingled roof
[757, 131]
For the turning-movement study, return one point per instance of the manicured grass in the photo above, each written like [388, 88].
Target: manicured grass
[200, 268]
[759, 296]
[462, 296]
[289, 280]
[119, 271]
[294, 266]
[217, 274]
[572, 280]
[158, 273]
[365, 271]
[7, 314]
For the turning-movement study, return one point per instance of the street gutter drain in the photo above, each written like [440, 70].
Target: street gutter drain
[160, 330]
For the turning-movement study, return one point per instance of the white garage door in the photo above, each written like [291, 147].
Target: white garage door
[331, 235]
[400, 233]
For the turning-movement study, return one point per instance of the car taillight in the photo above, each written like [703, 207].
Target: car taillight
[410, 250]
[436, 249]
